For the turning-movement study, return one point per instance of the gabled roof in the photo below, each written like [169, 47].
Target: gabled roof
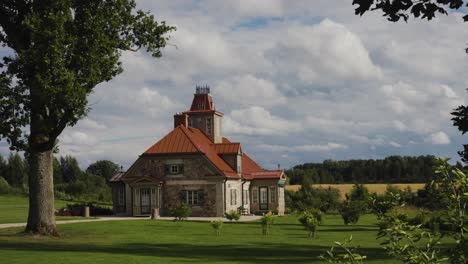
[117, 177]
[190, 140]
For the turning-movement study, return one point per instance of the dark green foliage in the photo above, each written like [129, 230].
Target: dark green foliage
[180, 212]
[308, 198]
[393, 169]
[351, 211]
[77, 210]
[16, 170]
[430, 197]
[70, 169]
[396, 9]
[232, 215]
[103, 168]
[5, 188]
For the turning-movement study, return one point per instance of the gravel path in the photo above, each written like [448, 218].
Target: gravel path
[244, 218]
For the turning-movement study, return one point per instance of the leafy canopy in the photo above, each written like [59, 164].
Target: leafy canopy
[396, 9]
[60, 51]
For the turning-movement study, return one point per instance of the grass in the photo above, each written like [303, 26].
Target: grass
[147, 241]
[14, 209]
[373, 188]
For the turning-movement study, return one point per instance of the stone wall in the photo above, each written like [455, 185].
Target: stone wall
[209, 203]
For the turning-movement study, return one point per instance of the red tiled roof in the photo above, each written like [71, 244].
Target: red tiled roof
[227, 148]
[192, 140]
[202, 102]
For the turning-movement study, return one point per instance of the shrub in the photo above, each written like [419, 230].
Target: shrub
[309, 198]
[310, 222]
[180, 212]
[4, 186]
[351, 211]
[77, 210]
[267, 222]
[232, 215]
[217, 225]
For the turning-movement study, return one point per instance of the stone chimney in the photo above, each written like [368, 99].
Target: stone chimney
[180, 119]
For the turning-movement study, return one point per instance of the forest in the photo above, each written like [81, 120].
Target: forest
[70, 181]
[392, 169]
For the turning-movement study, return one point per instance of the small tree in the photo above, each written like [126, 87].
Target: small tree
[267, 222]
[349, 257]
[180, 212]
[217, 225]
[310, 222]
[232, 215]
[351, 211]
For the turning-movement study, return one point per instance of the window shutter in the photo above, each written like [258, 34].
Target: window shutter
[167, 169]
[181, 168]
[201, 197]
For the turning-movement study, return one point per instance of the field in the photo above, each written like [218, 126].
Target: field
[14, 209]
[149, 241]
[373, 188]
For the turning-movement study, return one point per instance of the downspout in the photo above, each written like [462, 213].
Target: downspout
[225, 202]
[242, 194]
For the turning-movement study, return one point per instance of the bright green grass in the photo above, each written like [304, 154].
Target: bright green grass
[14, 209]
[147, 241]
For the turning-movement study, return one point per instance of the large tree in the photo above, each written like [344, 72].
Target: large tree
[425, 9]
[60, 50]
[103, 168]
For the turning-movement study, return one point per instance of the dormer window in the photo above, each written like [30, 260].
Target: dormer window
[174, 169]
[200, 106]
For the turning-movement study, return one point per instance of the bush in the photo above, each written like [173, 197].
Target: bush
[232, 215]
[309, 198]
[310, 222]
[181, 212]
[217, 225]
[267, 222]
[351, 211]
[4, 186]
[77, 210]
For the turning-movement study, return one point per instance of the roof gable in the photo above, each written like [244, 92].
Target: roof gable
[174, 142]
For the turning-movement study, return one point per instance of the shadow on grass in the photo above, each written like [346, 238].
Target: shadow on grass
[257, 252]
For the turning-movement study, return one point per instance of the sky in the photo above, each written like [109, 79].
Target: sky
[298, 81]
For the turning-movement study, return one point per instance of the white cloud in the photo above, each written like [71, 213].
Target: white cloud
[438, 138]
[304, 148]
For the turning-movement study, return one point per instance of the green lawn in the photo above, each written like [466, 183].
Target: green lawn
[14, 209]
[147, 241]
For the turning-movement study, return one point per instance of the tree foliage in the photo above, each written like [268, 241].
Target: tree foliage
[402, 9]
[392, 169]
[103, 168]
[61, 51]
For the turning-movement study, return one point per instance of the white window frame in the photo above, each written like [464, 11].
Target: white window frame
[233, 197]
[191, 197]
[273, 194]
[254, 195]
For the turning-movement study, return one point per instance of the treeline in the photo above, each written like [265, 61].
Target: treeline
[392, 169]
[70, 182]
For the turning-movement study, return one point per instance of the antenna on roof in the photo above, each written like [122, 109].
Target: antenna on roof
[121, 168]
[202, 89]
[279, 166]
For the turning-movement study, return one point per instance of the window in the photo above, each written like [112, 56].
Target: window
[190, 122]
[254, 195]
[272, 194]
[191, 197]
[233, 197]
[208, 126]
[200, 106]
[174, 169]
[245, 198]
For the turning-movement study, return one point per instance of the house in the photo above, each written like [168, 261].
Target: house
[196, 165]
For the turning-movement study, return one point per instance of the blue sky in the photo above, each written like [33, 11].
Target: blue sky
[298, 81]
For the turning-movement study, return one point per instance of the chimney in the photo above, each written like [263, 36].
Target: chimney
[180, 119]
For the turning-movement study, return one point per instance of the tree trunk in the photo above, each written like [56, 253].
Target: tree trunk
[41, 218]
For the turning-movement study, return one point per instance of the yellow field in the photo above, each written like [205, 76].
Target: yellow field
[373, 188]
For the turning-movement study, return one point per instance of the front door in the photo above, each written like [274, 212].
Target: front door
[263, 198]
[145, 200]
